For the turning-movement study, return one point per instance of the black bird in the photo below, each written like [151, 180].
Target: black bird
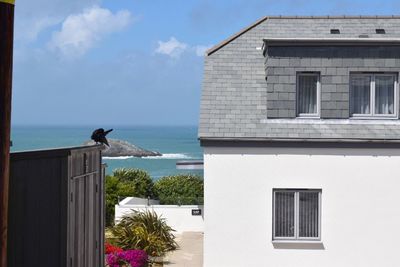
[99, 136]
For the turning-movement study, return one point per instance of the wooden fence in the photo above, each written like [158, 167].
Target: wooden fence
[56, 208]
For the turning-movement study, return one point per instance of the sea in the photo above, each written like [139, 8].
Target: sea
[174, 142]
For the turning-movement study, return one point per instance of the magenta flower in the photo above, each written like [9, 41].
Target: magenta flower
[135, 258]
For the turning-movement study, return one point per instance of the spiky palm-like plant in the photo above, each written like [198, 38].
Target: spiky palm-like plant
[144, 230]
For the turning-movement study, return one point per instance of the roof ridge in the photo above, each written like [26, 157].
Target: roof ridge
[336, 17]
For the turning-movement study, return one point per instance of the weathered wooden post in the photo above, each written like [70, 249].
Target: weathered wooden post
[6, 56]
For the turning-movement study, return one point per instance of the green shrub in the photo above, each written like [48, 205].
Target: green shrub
[144, 230]
[125, 183]
[139, 179]
[180, 190]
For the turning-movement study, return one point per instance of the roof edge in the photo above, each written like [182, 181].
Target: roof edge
[340, 39]
[306, 140]
[235, 36]
[301, 143]
[338, 17]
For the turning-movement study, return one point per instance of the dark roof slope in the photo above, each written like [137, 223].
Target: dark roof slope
[234, 97]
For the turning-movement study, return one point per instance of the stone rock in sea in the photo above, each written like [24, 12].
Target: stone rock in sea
[120, 148]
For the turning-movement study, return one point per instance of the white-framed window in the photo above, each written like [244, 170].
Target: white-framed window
[373, 95]
[297, 214]
[308, 94]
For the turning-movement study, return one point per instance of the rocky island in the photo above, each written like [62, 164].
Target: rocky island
[120, 148]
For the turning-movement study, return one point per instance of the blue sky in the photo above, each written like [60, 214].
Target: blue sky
[132, 62]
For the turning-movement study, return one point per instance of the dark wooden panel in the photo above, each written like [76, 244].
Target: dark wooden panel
[86, 174]
[57, 209]
[17, 189]
[35, 212]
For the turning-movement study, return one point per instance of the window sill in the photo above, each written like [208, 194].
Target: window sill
[296, 241]
[298, 244]
[373, 118]
[308, 117]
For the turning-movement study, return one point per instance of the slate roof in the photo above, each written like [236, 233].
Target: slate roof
[234, 94]
[319, 27]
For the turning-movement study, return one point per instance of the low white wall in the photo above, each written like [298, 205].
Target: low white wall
[138, 201]
[179, 218]
[360, 206]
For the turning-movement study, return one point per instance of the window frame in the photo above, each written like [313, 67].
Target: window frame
[372, 91]
[308, 115]
[296, 236]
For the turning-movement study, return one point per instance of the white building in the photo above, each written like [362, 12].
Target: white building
[301, 137]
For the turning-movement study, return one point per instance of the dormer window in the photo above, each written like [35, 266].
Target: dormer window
[308, 94]
[373, 95]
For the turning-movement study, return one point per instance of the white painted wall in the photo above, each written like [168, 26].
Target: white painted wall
[179, 218]
[360, 206]
[138, 201]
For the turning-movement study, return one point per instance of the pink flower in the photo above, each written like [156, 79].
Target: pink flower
[135, 258]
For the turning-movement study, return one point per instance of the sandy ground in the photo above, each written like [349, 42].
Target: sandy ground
[190, 253]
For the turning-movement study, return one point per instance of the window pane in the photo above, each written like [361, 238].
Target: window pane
[284, 214]
[384, 94]
[360, 94]
[307, 95]
[308, 214]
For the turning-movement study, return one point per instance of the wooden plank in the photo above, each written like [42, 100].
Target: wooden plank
[92, 215]
[71, 257]
[90, 221]
[6, 59]
[81, 213]
[64, 210]
[86, 216]
[78, 211]
[102, 210]
[99, 214]
[80, 229]
[94, 222]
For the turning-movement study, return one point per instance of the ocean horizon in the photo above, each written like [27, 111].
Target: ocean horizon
[174, 142]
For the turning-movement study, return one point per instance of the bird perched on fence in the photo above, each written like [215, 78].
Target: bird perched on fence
[99, 136]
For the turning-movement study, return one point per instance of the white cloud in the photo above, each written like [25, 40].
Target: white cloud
[172, 48]
[80, 32]
[36, 26]
[34, 17]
